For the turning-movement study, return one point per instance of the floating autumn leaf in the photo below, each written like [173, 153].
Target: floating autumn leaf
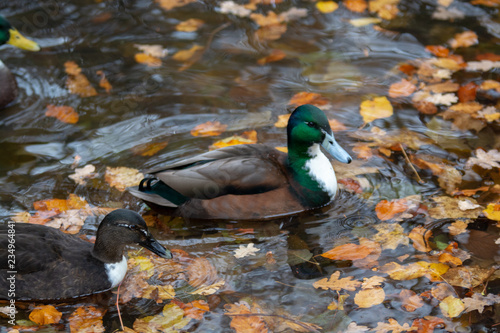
[367, 298]
[390, 235]
[230, 7]
[148, 60]
[427, 324]
[438, 50]
[357, 6]
[443, 87]
[467, 93]
[372, 282]
[392, 326]
[122, 177]
[486, 160]
[171, 319]
[387, 210]
[347, 252]
[451, 307]
[361, 22]
[447, 258]
[457, 227]
[282, 121]
[86, 319]
[385, 9]
[370, 260]
[492, 212]
[149, 148]
[45, 315]
[401, 88]
[420, 237]
[201, 272]
[210, 128]
[64, 113]
[327, 6]
[441, 291]
[195, 309]
[245, 324]
[334, 283]
[376, 108]
[171, 4]
[103, 82]
[478, 302]
[467, 277]
[82, 174]
[77, 83]
[276, 55]
[189, 25]
[189, 57]
[334, 305]
[414, 270]
[463, 39]
[410, 300]
[248, 137]
[245, 251]
[271, 32]
[447, 207]
[308, 98]
[210, 289]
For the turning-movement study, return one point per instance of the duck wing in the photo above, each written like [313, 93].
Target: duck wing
[241, 169]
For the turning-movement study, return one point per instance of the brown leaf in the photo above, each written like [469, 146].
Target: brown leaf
[402, 88]
[363, 151]
[420, 237]
[467, 93]
[347, 252]
[367, 298]
[86, 320]
[425, 107]
[189, 57]
[357, 6]
[244, 324]
[308, 98]
[464, 39]
[201, 272]
[104, 83]
[189, 25]
[45, 315]
[427, 324]
[276, 55]
[77, 83]
[271, 32]
[390, 235]
[334, 283]
[64, 113]
[410, 300]
[282, 121]
[210, 128]
[171, 4]
[149, 149]
[443, 87]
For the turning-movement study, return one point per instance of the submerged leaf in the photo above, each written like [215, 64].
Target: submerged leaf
[376, 108]
[64, 113]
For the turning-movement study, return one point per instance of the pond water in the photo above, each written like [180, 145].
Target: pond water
[325, 54]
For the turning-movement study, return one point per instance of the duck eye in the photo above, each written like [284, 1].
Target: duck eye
[310, 124]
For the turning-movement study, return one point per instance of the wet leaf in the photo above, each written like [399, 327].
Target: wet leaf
[210, 289]
[355, 328]
[420, 237]
[334, 283]
[86, 319]
[230, 7]
[483, 65]
[64, 113]
[210, 128]
[467, 93]
[372, 282]
[443, 87]
[282, 121]
[245, 324]
[171, 319]
[189, 25]
[390, 236]
[363, 151]
[427, 324]
[376, 108]
[248, 137]
[334, 305]
[387, 210]
[447, 207]
[308, 98]
[148, 60]
[201, 272]
[149, 149]
[386, 9]
[463, 39]
[347, 252]
[171, 4]
[158, 293]
[393, 326]
[438, 50]
[245, 251]
[402, 88]
[327, 6]
[189, 57]
[451, 307]
[77, 83]
[276, 55]
[457, 228]
[370, 260]
[367, 298]
[357, 6]
[45, 315]
[154, 50]
[486, 160]
[122, 177]
[492, 212]
[478, 302]
[447, 258]
[195, 309]
[410, 300]
[103, 82]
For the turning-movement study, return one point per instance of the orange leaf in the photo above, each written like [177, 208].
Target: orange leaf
[76, 82]
[104, 83]
[347, 252]
[420, 237]
[189, 25]
[357, 6]
[386, 210]
[148, 60]
[171, 4]
[363, 151]
[86, 319]
[336, 125]
[369, 297]
[401, 89]
[45, 315]
[248, 137]
[447, 258]
[209, 129]
[407, 69]
[410, 300]
[467, 92]
[464, 39]
[438, 50]
[308, 98]
[195, 309]
[188, 55]
[244, 324]
[378, 107]
[271, 31]
[59, 205]
[427, 324]
[64, 113]
[149, 149]
[351, 185]
[488, 56]
[276, 55]
[72, 68]
[282, 121]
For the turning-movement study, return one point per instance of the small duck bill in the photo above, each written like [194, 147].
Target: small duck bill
[154, 246]
[335, 150]
[18, 40]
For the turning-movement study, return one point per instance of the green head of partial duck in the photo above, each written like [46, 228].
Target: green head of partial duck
[10, 35]
[308, 129]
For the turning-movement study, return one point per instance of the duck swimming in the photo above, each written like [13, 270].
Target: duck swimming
[46, 264]
[10, 35]
[251, 182]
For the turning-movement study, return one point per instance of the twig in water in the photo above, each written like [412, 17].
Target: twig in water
[411, 164]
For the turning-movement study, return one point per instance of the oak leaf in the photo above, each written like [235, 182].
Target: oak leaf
[245, 251]
[478, 302]
[334, 283]
[393, 326]
[372, 282]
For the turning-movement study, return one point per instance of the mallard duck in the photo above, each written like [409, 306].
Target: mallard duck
[251, 182]
[10, 35]
[43, 263]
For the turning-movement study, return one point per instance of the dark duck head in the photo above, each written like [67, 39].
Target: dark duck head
[50, 264]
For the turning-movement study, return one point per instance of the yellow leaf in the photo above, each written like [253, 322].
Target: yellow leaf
[64, 113]
[367, 298]
[148, 60]
[45, 315]
[334, 283]
[492, 212]
[159, 292]
[361, 22]
[327, 6]
[171, 4]
[104, 83]
[210, 128]
[248, 137]
[282, 121]
[378, 107]
[189, 25]
[149, 149]
[86, 319]
[122, 177]
[451, 307]
[283, 149]
[76, 82]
